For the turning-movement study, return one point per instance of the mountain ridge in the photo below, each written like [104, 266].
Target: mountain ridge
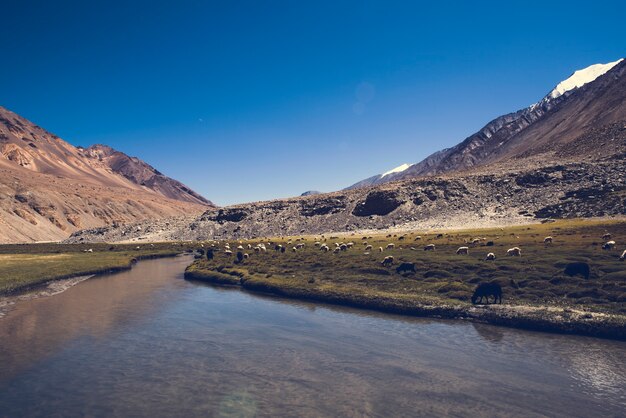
[483, 146]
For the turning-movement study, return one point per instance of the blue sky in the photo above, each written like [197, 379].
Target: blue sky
[248, 101]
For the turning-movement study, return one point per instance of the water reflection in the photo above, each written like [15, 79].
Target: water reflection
[160, 346]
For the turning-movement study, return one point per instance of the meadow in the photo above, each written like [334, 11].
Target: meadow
[23, 266]
[442, 278]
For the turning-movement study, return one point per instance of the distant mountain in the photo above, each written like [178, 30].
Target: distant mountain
[589, 99]
[50, 188]
[142, 174]
[380, 178]
[310, 193]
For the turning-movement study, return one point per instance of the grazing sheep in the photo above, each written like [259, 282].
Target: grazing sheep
[514, 252]
[245, 255]
[336, 250]
[485, 290]
[609, 245]
[572, 269]
[229, 252]
[413, 249]
[88, 251]
[368, 247]
[387, 261]
[475, 241]
[417, 238]
[405, 267]
[429, 247]
[462, 250]
[547, 240]
[317, 243]
[257, 249]
[324, 248]
[380, 249]
[623, 256]
[391, 246]
[350, 244]
[490, 257]
[606, 236]
[277, 247]
[240, 247]
[249, 246]
[343, 247]
[294, 249]
[301, 245]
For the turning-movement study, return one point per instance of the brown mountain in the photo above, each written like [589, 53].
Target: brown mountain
[49, 188]
[539, 133]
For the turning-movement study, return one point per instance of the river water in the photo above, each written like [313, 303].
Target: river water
[145, 342]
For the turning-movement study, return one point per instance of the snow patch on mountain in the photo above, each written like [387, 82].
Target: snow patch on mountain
[582, 77]
[398, 169]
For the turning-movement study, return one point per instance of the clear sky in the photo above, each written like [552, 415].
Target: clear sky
[252, 100]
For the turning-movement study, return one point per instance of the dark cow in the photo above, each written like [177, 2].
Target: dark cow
[572, 269]
[485, 290]
[405, 267]
[489, 244]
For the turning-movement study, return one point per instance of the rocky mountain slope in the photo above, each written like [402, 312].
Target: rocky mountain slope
[49, 188]
[590, 98]
[498, 196]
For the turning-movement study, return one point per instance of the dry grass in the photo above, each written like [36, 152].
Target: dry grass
[442, 277]
[26, 265]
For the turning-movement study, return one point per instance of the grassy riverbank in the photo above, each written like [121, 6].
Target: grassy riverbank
[537, 293]
[24, 266]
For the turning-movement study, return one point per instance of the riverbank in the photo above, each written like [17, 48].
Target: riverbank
[536, 318]
[27, 267]
[537, 293]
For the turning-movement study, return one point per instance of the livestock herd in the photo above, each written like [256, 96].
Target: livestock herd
[484, 290]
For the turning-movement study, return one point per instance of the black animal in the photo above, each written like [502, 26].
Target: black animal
[209, 254]
[200, 251]
[489, 244]
[239, 256]
[277, 247]
[282, 249]
[572, 269]
[405, 267]
[485, 290]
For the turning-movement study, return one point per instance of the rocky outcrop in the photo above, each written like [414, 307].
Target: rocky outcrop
[478, 200]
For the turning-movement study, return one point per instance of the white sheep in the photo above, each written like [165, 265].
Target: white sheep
[391, 246]
[429, 247]
[368, 247]
[380, 249]
[324, 248]
[609, 245]
[514, 252]
[623, 256]
[240, 247]
[462, 250]
[343, 247]
[88, 251]
[387, 261]
[245, 255]
[547, 240]
[490, 256]
[606, 236]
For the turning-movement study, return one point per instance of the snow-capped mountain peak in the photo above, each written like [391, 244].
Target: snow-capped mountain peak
[398, 169]
[582, 77]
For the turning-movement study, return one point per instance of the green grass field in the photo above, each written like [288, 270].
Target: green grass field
[27, 265]
[442, 277]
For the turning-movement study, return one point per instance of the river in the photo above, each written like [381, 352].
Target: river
[145, 342]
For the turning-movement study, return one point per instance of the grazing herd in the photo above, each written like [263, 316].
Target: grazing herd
[482, 292]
